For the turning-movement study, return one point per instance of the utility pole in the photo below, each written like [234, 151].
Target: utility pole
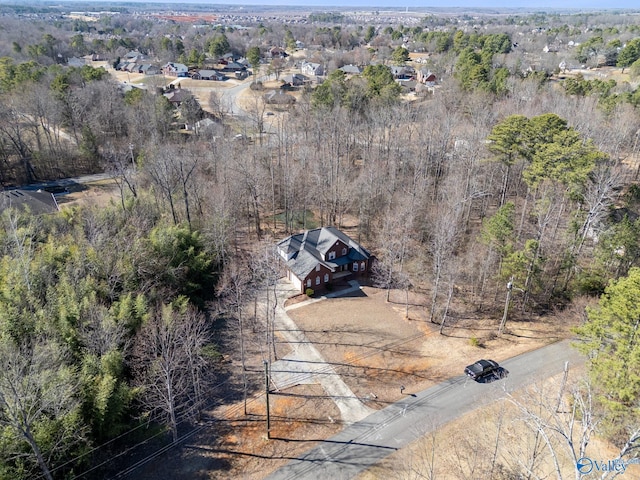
[266, 385]
[506, 306]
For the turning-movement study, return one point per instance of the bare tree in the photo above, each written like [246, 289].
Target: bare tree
[265, 274]
[233, 288]
[169, 365]
[394, 238]
[171, 171]
[15, 131]
[565, 420]
[218, 105]
[257, 108]
[444, 235]
[122, 164]
[101, 333]
[186, 167]
[36, 391]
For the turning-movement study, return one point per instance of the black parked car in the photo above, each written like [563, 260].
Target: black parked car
[481, 369]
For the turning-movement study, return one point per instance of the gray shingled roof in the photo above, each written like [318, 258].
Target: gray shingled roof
[308, 249]
[36, 201]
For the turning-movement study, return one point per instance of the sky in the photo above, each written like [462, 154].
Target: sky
[510, 4]
[564, 4]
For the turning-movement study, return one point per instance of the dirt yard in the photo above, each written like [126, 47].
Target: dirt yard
[100, 193]
[377, 349]
[374, 347]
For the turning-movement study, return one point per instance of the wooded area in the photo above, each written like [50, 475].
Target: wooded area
[510, 171]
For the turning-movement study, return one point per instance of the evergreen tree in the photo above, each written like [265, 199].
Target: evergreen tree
[611, 340]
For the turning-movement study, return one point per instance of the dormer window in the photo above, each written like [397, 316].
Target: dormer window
[332, 255]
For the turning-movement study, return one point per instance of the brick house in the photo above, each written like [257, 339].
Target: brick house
[317, 258]
[426, 76]
[175, 70]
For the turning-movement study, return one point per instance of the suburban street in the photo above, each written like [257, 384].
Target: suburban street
[231, 95]
[366, 442]
[68, 182]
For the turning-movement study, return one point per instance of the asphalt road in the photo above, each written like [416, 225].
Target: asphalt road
[230, 96]
[364, 443]
[66, 182]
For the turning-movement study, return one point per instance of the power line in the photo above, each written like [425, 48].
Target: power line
[232, 409]
[230, 412]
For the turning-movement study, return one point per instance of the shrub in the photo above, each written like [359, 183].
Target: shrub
[474, 342]
[309, 292]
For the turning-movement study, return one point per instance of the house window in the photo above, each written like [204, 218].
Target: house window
[362, 266]
[318, 280]
[344, 251]
[326, 277]
[308, 283]
[332, 255]
[318, 268]
[355, 266]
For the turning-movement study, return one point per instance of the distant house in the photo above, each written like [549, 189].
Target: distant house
[311, 69]
[228, 58]
[278, 52]
[408, 85]
[234, 67]
[175, 70]
[426, 77]
[149, 69]
[177, 96]
[402, 72]
[35, 201]
[317, 258]
[134, 56]
[296, 80]
[208, 75]
[351, 70]
[278, 97]
[243, 61]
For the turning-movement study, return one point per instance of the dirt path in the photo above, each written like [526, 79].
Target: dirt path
[306, 365]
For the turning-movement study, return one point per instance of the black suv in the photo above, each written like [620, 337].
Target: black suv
[481, 369]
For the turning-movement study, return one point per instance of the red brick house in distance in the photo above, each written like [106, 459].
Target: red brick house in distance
[322, 256]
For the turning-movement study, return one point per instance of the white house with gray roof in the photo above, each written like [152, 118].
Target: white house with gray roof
[318, 258]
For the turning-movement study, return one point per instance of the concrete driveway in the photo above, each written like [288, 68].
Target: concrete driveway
[306, 365]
